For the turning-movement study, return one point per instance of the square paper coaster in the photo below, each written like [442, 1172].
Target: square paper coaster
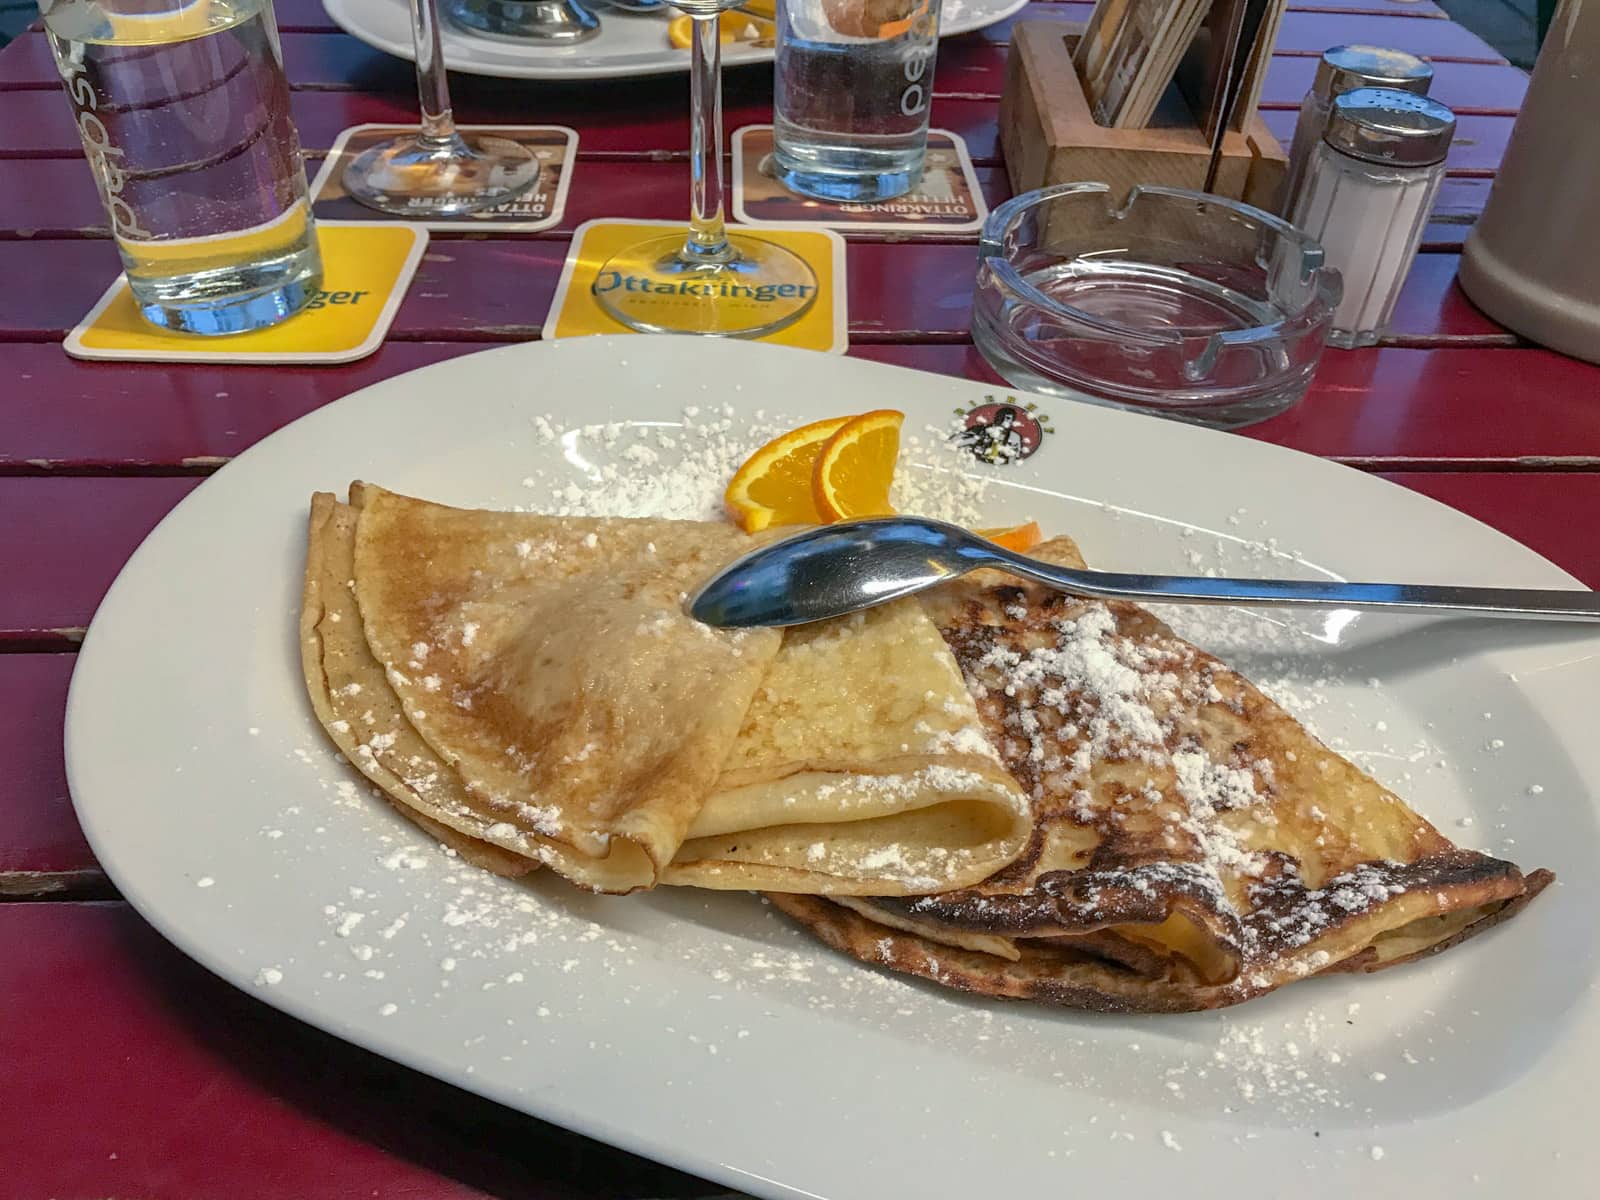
[948, 200]
[366, 268]
[541, 207]
[575, 312]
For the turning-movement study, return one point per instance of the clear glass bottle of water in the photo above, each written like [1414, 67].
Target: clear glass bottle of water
[183, 110]
[853, 88]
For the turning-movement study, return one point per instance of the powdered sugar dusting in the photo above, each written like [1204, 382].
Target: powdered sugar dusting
[452, 929]
[1087, 695]
[679, 469]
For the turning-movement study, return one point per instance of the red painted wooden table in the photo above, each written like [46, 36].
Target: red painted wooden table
[126, 1071]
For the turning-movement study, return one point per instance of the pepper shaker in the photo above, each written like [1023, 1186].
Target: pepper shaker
[1368, 191]
[1344, 69]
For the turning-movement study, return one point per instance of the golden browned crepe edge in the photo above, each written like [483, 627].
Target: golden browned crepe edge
[632, 855]
[1069, 969]
[701, 862]
[1061, 976]
[719, 862]
[324, 507]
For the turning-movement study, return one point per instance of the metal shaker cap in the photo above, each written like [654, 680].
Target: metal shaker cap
[1382, 125]
[1345, 68]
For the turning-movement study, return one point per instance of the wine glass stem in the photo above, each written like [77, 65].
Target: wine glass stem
[708, 240]
[438, 123]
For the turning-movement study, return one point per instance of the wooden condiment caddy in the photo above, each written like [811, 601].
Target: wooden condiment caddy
[1049, 135]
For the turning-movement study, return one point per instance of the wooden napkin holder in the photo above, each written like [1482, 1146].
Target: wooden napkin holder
[1050, 136]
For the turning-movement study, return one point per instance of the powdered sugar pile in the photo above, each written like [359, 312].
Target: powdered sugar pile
[679, 469]
[1091, 695]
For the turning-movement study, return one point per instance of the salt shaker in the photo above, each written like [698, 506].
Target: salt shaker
[1368, 190]
[1343, 69]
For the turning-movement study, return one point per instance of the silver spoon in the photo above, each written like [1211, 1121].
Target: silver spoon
[837, 569]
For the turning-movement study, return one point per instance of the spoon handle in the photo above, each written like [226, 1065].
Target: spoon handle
[1529, 603]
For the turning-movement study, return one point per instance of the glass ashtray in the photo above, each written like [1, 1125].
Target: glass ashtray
[1177, 303]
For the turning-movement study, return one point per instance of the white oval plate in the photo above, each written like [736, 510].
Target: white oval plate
[627, 45]
[702, 1029]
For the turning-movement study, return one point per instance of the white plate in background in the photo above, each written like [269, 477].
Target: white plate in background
[627, 45]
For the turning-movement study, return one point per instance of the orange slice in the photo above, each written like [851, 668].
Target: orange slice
[733, 28]
[856, 466]
[774, 485]
[1020, 538]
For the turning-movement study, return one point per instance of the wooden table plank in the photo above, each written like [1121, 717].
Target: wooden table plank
[336, 60]
[64, 540]
[1459, 204]
[500, 290]
[136, 415]
[42, 126]
[38, 832]
[971, 64]
[647, 117]
[600, 188]
[27, 63]
[1511, 407]
[1433, 310]
[1393, 406]
[1555, 513]
[199, 1091]
[641, 121]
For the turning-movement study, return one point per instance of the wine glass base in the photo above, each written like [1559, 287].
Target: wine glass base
[757, 288]
[562, 22]
[411, 176]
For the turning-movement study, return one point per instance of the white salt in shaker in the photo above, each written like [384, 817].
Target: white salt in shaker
[1368, 191]
[1344, 69]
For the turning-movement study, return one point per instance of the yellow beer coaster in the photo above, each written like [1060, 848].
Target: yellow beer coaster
[540, 207]
[575, 312]
[366, 268]
[947, 200]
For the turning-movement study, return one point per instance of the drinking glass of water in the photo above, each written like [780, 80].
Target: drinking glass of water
[183, 111]
[854, 80]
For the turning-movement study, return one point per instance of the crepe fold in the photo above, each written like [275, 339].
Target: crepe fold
[533, 685]
[1193, 845]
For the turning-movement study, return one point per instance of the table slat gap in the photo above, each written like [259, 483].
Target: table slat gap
[56, 887]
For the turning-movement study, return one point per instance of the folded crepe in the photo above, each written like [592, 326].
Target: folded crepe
[533, 684]
[1193, 846]
[861, 759]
